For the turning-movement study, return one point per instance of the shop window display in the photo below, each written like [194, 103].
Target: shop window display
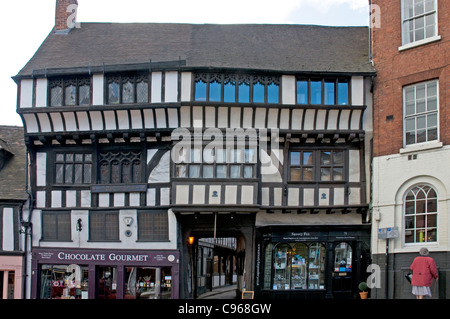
[64, 282]
[298, 266]
[148, 283]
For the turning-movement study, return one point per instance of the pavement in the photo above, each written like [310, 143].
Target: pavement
[227, 292]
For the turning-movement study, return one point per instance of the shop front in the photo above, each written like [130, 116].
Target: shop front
[104, 274]
[311, 262]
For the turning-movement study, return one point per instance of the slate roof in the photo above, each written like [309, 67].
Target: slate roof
[283, 48]
[12, 172]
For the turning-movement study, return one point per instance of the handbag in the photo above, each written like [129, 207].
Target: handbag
[408, 276]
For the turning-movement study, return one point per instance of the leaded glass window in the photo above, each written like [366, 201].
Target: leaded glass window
[121, 167]
[127, 88]
[70, 91]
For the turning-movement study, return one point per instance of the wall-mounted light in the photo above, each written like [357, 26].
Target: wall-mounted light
[191, 240]
[79, 225]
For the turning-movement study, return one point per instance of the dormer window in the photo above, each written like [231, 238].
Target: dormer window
[70, 91]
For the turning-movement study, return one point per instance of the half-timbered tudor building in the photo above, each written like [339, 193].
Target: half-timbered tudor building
[146, 139]
[411, 141]
[13, 198]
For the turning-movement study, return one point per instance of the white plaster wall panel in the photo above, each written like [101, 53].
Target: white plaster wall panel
[97, 89]
[110, 120]
[83, 121]
[343, 120]
[272, 120]
[123, 119]
[354, 167]
[339, 196]
[171, 87]
[26, 93]
[56, 201]
[136, 119]
[85, 198]
[96, 120]
[247, 194]
[197, 116]
[309, 119]
[151, 197]
[293, 196]
[149, 120]
[320, 120]
[210, 116]
[324, 196]
[198, 194]
[8, 229]
[235, 117]
[41, 168]
[44, 122]
[231, 194]
[103, 200]
[182, 194]
[222, 117]
[356, 120]
[69, 119]
[172, 118]
[265, 194]
[160, 118]
[135, 199]
[354, 198]
[40, 199]
[332, 119]
[297, 119]
[156, 87]
[41, 92]
[165, 196]
[215, 189]
[357, 90]
[57, 121]
[260, 117]
[119, 199]
[186, 78]
[308, 197]
[277, 196]
[185, 116]
[31, 123]
[284, 119]
[161, 173]
[71, 198]
[288, 89]
[247, 121]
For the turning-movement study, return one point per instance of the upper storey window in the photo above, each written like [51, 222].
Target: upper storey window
[322, 91]
[419, 20]
[240, 88]
[70, 91]
[127, 88]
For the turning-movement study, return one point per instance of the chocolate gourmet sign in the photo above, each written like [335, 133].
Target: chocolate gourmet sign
[107, 257]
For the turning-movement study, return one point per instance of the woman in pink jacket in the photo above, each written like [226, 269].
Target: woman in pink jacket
[424, 270]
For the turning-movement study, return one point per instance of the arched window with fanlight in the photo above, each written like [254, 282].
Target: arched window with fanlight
[420, 213]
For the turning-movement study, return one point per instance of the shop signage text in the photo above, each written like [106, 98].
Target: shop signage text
[100, 257]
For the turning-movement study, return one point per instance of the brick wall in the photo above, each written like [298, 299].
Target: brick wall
[396, 69]
[62, 15]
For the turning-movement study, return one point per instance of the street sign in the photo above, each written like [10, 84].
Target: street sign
[390, 232]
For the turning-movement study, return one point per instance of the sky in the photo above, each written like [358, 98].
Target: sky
[25, 24]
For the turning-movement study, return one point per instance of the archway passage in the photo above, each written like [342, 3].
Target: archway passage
[216, 251]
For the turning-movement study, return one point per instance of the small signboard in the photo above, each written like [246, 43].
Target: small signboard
[247, 294]
[386, 233]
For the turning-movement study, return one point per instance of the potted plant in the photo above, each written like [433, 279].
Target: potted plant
[364, 290]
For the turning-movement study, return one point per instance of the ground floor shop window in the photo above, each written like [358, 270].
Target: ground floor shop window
[297, 266]
[64, 282]
[148, 283]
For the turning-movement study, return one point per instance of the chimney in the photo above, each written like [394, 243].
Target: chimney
[66, 15]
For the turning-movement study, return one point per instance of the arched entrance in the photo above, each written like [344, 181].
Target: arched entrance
[216, 250]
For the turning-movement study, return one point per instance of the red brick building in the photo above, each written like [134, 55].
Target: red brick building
[410, 46]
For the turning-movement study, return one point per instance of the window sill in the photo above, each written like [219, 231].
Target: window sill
[421, 147]
[419, 43]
